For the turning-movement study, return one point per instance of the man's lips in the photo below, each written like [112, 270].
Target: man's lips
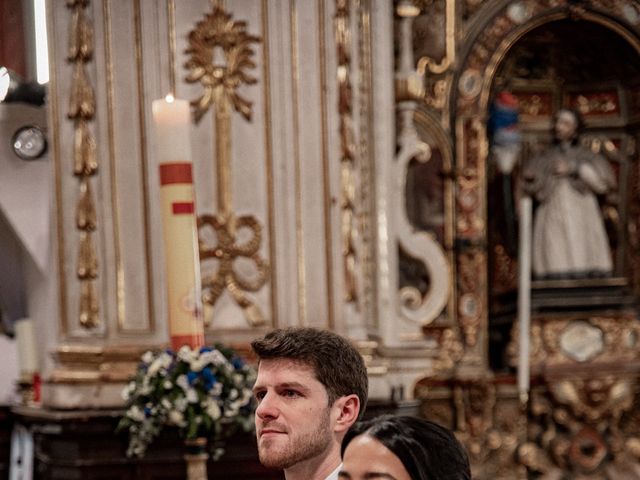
[271, 432]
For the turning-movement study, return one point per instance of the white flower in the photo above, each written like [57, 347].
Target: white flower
[216, 391]
[183, 382]
[155, 366]
[147, 357]
[167, 385]
[213, 409]
[192, 396]
[185, 354]
[181, 403]
[197, 364]
[128, 391]
[135, 413]
[177, 418]
[233, 394]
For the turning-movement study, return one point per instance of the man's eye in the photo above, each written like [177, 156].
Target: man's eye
[259, 395]
[291, 393]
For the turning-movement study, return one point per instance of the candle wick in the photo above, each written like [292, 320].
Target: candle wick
[169, 98]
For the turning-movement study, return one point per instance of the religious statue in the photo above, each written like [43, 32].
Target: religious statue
[569, 236]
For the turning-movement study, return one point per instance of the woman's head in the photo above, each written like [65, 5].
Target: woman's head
[403, 448]
[567, 125]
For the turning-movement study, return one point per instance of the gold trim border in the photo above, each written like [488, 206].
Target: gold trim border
[266, 72]
[302, 301]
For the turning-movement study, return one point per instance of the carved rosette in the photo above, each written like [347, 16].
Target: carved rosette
[85, 164]
[221, 56]
[348, 151]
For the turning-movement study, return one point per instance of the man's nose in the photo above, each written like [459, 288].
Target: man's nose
[267, 408]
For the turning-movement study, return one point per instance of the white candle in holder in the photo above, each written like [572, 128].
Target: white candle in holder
[27, 347]
[173, 121]
[524, 295]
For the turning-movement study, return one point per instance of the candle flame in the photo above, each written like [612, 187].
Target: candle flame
[169, 98]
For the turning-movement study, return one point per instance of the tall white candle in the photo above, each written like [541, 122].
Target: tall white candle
[173, 126]
[172, 120]
[27, 347]
[524, 295]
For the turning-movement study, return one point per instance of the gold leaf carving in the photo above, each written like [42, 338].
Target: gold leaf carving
[221, 54]
[85, 162]
[86, 211]
[88, 305]
[87, 258]
[348, 157]
[82, 101]
[226, 252]
[80, 37]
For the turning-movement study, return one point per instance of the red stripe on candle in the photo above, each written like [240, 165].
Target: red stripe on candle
[180, 208]
[175, 173]
[195, 340]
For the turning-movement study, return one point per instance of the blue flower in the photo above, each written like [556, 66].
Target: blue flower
[209, 378]
[192, 377]
[205, 349]
[147, 412]
[237, 362]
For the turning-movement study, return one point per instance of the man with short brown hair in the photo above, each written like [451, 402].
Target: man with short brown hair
[311, 387]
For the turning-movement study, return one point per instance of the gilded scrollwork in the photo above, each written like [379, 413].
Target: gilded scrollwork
[579, 425]
[575, 339]
[82, 107]
[221, 56]
[348, 152]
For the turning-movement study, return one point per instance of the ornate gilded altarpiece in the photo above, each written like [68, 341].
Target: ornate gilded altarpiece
[581, 417]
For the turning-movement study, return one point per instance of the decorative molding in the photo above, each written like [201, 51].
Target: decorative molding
[349, 160]
[85, 163]
[221, 56]
[365, 170]
[422, 309]
[426, 63]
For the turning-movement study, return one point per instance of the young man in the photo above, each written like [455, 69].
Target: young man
[311, 387]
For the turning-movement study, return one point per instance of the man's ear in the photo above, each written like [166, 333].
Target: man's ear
[347, 409]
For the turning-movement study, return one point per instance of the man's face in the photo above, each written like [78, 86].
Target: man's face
[293, 418]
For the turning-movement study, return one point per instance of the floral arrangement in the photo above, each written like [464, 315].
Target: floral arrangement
[198, 391]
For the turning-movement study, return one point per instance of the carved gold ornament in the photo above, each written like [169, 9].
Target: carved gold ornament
[85, 164]
[221, 54]
[348, 151]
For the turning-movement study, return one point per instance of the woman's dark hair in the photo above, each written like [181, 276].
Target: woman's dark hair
[427, 450]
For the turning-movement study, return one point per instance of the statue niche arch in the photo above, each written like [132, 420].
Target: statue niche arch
[503, 56]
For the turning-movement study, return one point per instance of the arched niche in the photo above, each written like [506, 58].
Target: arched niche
[487, 64]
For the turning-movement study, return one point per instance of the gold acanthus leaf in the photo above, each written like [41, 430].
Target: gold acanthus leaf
[82, 102]
[87, 258]
[85, 209]
[85, 162]
[220, 55]
[80, 38]
[88, 305]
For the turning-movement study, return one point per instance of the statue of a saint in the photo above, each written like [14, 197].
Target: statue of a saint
[569, 236]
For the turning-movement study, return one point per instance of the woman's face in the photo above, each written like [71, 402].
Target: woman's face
[367, 458]
[565, 127]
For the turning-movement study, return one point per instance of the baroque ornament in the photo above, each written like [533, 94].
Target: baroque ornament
[85, 165]
[221, 55]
